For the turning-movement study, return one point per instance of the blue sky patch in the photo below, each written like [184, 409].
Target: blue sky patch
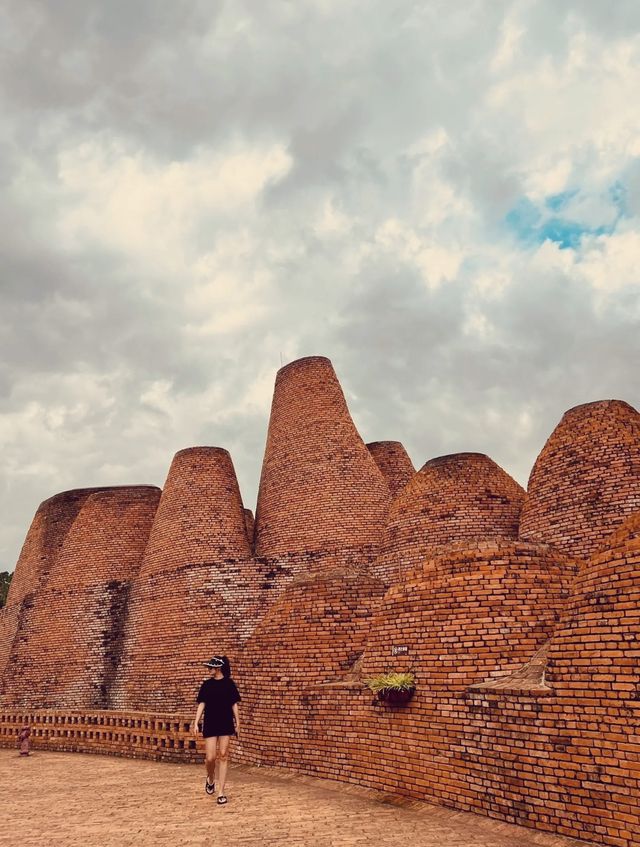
[534, 223]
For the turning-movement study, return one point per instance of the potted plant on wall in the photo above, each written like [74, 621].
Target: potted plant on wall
[393, 688]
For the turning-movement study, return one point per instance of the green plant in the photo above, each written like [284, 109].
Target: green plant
[391, 682]
[5, 582]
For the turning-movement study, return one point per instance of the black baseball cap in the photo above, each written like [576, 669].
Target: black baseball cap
[215, 662]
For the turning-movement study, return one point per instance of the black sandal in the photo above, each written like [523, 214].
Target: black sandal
[222, 800]
[209, 787]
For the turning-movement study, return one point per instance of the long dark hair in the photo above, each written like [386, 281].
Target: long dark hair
[226, 667]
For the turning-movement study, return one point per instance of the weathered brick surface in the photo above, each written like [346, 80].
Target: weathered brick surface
[565, 755]
[394, 463]
[195, 584]
[149, 735]
[67, 652]
[315, 632]
[9, 624]
[586, 480]
[460, 618]
[320, 489]
[39, 552]
[44, 541]
[461, 497]
[249, 523]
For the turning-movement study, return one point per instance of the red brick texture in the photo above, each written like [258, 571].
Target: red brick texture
[586, 480]
[39, 551]
[69, 658]
[320, 490]
[594, 669]
[195, 583]
[249, 523]
[565, 756]
[46, 535]
[394, 463]
[146, 735]
[314, 633]
[460, 618]
[456, 498]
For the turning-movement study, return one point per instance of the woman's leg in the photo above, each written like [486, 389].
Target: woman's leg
[223, 762]
[210, 756]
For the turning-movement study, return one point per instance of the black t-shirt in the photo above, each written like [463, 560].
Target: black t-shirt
[218, 696]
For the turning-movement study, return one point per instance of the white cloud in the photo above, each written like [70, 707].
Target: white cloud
[149, 209]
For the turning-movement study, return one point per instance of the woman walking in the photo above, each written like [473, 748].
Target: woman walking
[218, 698]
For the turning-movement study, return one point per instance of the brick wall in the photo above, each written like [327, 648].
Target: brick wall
[144, 735]
[315, 631]
[586, 480]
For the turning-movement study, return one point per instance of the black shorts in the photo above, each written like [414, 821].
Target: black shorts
[215, 729]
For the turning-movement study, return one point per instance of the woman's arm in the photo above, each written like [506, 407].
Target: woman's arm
[194, 725]
[236, 717]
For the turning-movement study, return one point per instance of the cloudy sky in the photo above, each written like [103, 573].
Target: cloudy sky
[443, 197]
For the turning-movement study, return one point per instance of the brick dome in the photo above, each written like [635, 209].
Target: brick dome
[454, 498]
[320, 488]
[107, 539]
[465, 614]
[595, 650]
[185, 603]
[586, 480]
[469, 611]
[394, 463]
[69, 648]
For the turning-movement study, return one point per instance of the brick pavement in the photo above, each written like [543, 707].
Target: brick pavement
[56, 799]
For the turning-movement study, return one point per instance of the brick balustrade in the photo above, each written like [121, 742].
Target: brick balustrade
[136, 734]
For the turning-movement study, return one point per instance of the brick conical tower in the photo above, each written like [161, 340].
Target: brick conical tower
[394, 463]
[186, 602]
[455, 498]
[44, 540]
[586, 480]
[321, 492]
[40, 550]
[67, 654]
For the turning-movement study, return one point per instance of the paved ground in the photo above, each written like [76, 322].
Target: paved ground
[53, 799]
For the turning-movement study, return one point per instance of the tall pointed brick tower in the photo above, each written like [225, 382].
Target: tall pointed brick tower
[322, 497]
[586, 480]
[187, 600]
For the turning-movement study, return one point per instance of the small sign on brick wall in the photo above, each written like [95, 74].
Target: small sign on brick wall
[399, 649]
